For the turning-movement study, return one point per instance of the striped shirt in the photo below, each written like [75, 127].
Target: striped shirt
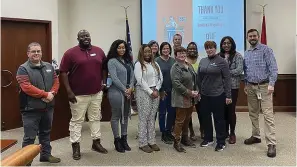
[259, 65]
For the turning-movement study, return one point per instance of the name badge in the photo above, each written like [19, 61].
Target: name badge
[93, 54]
[48, 70]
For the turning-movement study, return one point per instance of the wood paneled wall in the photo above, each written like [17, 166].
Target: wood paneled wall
[284, 97]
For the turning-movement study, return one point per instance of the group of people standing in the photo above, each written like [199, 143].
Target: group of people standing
[174, 81]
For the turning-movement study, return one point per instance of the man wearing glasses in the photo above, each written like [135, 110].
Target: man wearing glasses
[38, 85]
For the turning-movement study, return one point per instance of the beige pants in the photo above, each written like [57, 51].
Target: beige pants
[90, 104]
[264, 104]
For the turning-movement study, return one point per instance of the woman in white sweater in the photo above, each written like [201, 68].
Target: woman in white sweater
[149, 80]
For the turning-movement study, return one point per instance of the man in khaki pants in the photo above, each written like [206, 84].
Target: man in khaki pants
[260, 71]
[84, 79]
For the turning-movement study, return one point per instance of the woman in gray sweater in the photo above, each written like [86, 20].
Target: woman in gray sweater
[214, 83]
[120, 68]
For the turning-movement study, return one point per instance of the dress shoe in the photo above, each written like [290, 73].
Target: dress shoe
[154, 147]
[50, 159]
[252, 140]
[232, 139]
[178, 147]
[146, 149]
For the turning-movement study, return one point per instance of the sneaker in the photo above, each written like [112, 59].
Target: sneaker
[220, 147]
[206, 143]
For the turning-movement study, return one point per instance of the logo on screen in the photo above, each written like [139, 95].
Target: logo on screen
[172, 27]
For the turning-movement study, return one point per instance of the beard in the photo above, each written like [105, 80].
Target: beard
[253, 42]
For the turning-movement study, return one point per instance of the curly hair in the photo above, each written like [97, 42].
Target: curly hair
[141, 58]
[113, 53]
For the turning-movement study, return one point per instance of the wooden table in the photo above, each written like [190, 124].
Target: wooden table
[7, 143]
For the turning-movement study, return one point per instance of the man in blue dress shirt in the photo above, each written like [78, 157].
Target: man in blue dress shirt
[260, 71]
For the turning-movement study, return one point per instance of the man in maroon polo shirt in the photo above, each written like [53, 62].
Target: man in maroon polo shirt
[84, 78]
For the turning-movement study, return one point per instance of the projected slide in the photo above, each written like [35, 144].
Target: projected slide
[195, 20]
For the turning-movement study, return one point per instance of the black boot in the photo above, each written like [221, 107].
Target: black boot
[76, 151]
[96, 146]
[165, 138]
[118, 146]
[124, 143]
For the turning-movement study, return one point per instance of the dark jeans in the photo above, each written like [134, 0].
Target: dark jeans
[214, 105]
[230, 115]
[38, 122]
[199, 118]
[165, 107]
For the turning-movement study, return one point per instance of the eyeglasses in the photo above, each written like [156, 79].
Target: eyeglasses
[35, 51]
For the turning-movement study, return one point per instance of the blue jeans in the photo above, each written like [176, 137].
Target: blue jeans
[165, 106]
[38, 122]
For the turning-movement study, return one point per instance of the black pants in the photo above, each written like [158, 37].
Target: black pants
[230, 115]
[213, 105]
[38, 122]
[199, 118]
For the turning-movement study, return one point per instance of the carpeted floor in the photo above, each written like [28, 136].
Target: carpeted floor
[233, 155]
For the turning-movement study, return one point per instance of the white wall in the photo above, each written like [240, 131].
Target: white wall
[63, 28]
[105, 20]
[34, 9]
[280, 29]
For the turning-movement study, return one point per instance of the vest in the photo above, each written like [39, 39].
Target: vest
[41, 77]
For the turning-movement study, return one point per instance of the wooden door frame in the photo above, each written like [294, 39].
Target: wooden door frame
[48, 30]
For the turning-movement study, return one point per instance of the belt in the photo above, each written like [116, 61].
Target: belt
[260, 83]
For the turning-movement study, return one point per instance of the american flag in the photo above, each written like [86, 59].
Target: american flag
[128, 38]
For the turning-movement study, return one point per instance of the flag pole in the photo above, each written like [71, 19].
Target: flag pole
[263, 8]
[125, 10]
[263, 31]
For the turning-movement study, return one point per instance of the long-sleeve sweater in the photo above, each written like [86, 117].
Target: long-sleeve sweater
[214, 77]
[148, 77]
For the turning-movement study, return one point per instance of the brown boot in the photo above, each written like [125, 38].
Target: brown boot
[146, 149]
[187, 142]
[178, 147]
[96, 146]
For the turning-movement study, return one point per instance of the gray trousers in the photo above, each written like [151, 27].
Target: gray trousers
[116, 118]
[147, 108]
[38, 122]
